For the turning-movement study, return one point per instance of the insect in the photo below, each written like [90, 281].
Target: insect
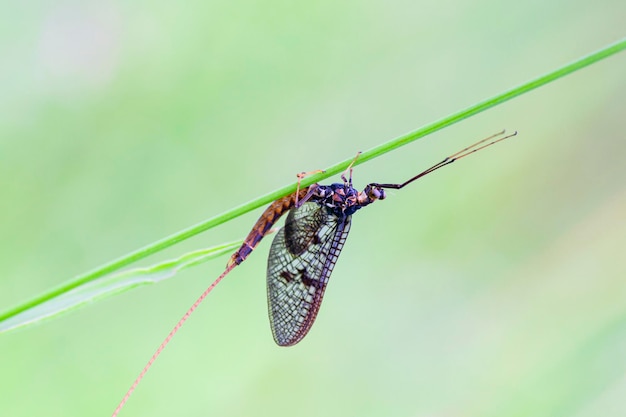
[305, 250]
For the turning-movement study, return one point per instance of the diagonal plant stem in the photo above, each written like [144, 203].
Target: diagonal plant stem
[184, 234]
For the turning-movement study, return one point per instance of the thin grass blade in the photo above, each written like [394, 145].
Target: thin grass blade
[110, 285]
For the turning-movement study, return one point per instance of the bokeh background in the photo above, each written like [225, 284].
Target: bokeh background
[495, 287]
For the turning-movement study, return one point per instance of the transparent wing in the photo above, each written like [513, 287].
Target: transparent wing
[302, 257]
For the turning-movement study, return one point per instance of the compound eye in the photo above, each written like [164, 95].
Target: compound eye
[376, 193]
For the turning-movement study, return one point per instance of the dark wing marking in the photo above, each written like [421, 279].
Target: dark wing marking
[302, 257]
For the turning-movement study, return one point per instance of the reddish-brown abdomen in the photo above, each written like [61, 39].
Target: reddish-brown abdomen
[264, 224]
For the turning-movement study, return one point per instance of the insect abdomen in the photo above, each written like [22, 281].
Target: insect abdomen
[264, 224]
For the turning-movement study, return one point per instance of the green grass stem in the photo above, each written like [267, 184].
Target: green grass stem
[141, 253]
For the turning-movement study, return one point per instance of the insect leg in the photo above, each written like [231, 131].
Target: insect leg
[349, 169]
[308, 195]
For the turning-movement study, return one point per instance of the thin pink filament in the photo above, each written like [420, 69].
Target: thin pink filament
[168, 338]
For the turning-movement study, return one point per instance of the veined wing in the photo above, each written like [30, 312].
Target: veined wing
[301, 259]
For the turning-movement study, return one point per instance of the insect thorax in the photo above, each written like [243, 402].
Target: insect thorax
[343, 200]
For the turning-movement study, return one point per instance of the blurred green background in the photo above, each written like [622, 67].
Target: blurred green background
[494, 287]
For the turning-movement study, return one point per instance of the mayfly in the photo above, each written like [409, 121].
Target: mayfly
[305, 250]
